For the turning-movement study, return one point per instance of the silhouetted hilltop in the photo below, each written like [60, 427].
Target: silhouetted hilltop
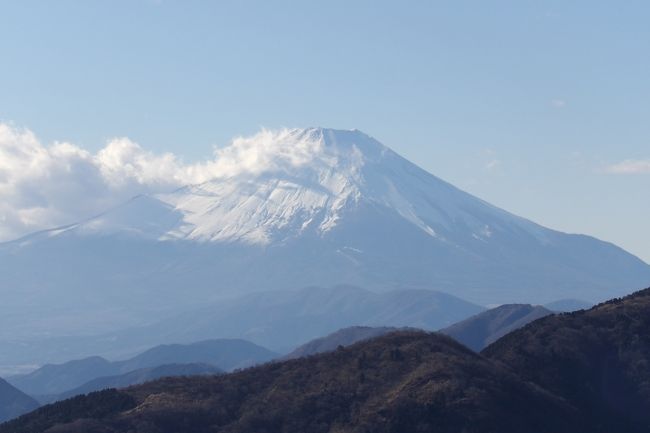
[599, 359]
[342, 337]
[485, 328]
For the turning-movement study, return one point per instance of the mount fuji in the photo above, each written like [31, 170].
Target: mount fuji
[291, 209]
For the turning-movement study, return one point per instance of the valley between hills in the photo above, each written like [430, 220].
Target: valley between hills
[584, 371]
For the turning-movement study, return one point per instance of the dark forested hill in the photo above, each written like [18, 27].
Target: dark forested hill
[599, 359]
[582, 372]
[400, 382]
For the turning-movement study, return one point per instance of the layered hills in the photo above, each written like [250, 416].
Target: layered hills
[483, 329]
[576, 372]
[52, 380]
[280, 320]
[292, 209]
[399, 382]
[139, 376]
[598, 359]
[341, 338]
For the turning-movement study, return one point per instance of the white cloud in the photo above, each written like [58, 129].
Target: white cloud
[44, 186]
[265, 151]
[630, 166]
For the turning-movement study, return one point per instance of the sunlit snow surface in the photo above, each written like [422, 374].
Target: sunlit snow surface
[313, 178]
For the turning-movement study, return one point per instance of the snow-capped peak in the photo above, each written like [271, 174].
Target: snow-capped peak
[328, 207]
[277, 185]
[297, 151]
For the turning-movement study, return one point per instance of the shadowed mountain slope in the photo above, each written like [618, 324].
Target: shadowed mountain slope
[139, 376]
[225, 354]
[53, 379]
[477, 332]
[599, 359]
[14, 402]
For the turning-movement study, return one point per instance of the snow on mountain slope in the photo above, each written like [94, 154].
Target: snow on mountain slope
[291, 209]
[313, 177]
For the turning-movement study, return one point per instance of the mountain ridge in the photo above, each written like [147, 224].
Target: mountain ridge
[597, 358]
[404, 381]
[327, 160]
[304, 207]
[563, 373]
[279, 320]
[225, 354]
[14, 402]
[137, 377]
[340, 338]
[479, 331]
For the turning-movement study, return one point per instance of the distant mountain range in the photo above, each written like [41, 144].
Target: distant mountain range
[483, 329]
[475, 332]
[570, 373]
[318, 207]
[58, 382]
[14, 402]
[137, 377]
[280, 320]
[50, 381]
[341, 338]
[568, 305]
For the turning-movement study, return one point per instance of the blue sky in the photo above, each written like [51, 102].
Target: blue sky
[541, 108]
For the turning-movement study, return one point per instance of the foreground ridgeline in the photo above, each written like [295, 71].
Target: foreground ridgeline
[577, 372]
[599, 360]
[400, 382]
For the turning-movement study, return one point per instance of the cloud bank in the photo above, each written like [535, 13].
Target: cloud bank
[630, 166]
[44, 186]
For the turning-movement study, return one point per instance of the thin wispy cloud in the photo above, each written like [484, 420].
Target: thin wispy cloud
[491, 161]
[493, 164]
[630, 166]
[558, 103]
